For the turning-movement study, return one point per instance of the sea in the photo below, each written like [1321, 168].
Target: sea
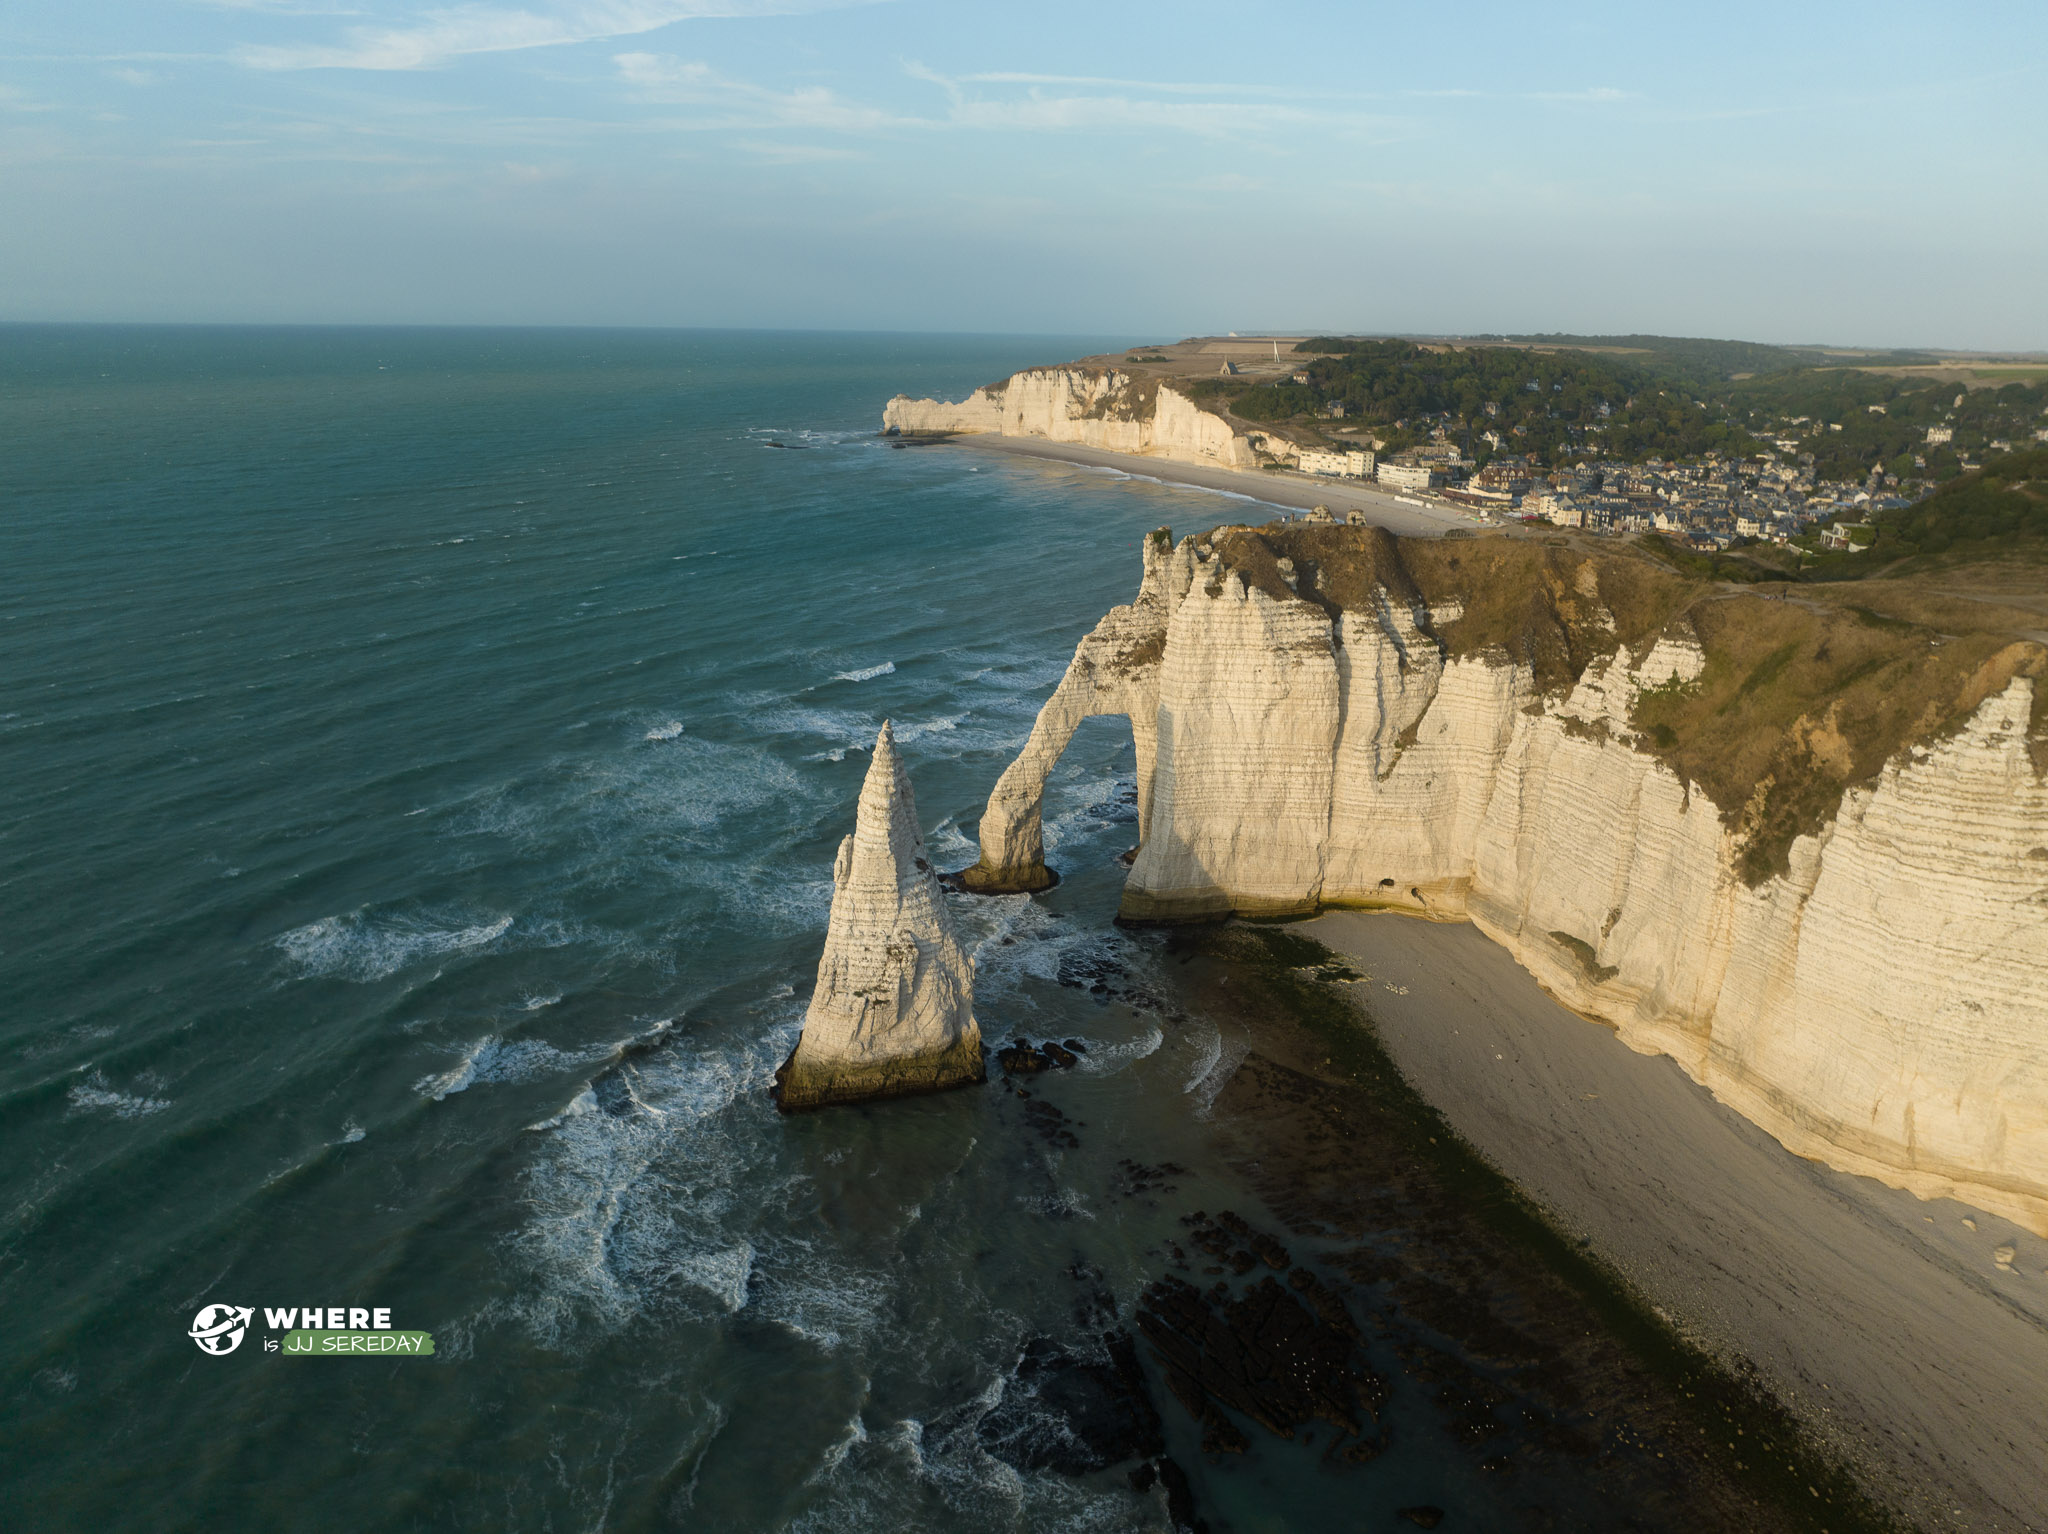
[422, 754]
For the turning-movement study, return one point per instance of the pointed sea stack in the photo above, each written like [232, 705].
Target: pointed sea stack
[894, 1009]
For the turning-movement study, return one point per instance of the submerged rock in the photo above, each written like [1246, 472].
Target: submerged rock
[1074, 1410]
[894, 1010]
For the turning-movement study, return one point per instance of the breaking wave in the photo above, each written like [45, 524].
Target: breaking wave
[362, 947]
[95, 1095]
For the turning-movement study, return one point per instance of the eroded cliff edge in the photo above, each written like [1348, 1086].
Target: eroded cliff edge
[1797, 841]
[1099, 407]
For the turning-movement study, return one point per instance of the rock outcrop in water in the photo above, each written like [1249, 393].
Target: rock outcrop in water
[1798, 845]
[1095, 407]
[894, 1010]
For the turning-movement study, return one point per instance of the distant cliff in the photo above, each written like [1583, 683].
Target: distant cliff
[1095, 407]
[1797, 843]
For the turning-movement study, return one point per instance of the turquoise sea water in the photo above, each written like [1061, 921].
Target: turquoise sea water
[422, 757]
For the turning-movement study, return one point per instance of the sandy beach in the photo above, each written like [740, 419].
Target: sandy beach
[1274, 487]
[1912, 1335]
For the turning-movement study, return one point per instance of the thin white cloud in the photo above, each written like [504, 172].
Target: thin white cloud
[1038, 110]
[1155, 87]
[729, 103]
[723, 102]
[795, 154]
[282, 7]
[459, 31]
[14, 99]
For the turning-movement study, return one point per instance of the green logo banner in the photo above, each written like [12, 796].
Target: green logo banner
[309, 1344]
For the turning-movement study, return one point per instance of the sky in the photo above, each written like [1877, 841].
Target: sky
[1871, 174]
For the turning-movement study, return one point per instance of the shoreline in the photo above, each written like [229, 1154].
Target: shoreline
[1283, 488]
[1885, 1324]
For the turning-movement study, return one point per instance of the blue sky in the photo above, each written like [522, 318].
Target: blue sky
[1859, 174]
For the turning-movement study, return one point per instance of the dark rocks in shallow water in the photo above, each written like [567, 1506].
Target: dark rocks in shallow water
[1423, 1517]
[1050, 1124]
[1022, 1059]
[1074, 1410]
[1077, 1046]
[1180, 1498]
[1223, 1237]
[1134, 1179]
[1261, 1352]
[1119, 809]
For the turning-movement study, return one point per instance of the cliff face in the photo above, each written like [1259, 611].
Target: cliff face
[893, 1013]
[1801, 848]
[1099, 408]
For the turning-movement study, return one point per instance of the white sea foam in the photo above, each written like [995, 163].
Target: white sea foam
[950, 844]
[362, 947]
[721, 1274]
[1108, 1059]
[638, 1190]
[583, 1102]
[1223, 1061]
[492, 1059]
[351, 1132]
[866, 674]
[1211, 1052]
[94, 1094]
[668, 731]
[918, 729]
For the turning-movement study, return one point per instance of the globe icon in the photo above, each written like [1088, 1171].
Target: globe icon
[218, 1329]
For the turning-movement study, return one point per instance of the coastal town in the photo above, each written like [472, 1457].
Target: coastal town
[1713, 503]
[1544, 451]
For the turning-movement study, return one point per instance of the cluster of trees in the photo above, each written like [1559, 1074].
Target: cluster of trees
[1895, 434]
[1557, 406]
[1646, 397]
[2003, 502]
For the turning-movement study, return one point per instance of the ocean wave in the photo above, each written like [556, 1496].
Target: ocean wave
[491, 1059]
[359, 946]
[1219, 1063]
[658, 1193]
[1108, 1059]
[866, 674]
[949, 844]
[94, 1094]
[668, 731]
[583, 1102]
[918, 729]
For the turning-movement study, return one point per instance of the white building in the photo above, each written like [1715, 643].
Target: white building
[1347, 465]
[1409, 476]
[1936, 435]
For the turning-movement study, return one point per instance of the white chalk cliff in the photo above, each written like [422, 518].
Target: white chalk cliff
[893, 1013]
[1311, 733]
[1095, 407]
